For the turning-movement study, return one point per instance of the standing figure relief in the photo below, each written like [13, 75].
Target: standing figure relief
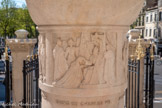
[95, 73]
[42, 60]
[64, 53]
[40, 56]
[60, 60]
[71, 51]
[84, 61]
[110, 59]
[109, 68]
[121, 60]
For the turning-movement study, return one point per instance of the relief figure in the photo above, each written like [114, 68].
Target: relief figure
[60, 65]
[42, 53]
[74, 75]
[98, 70]
[71, 52]
[88, 72]
[109, 68]
[40, 58]
[98, 59]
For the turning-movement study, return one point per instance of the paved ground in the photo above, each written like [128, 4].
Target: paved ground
[158, 86]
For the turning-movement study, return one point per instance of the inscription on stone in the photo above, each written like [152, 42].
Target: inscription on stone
[83, 103]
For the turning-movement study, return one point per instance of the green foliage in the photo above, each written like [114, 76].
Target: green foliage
[132, 26]
[13, 18]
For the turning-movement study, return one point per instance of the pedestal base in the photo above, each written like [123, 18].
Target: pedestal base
[111, 101]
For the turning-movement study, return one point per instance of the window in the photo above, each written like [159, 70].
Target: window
[142, 33]
[151, 18]
[143, 22]
[160, 16]
[150, 32]
[146, 32]
[154, 32]
[155, 17]
[147, 19]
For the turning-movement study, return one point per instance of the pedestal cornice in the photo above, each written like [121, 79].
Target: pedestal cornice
[21, 45]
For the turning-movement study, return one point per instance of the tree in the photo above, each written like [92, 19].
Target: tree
[6, 15]
[13, 18]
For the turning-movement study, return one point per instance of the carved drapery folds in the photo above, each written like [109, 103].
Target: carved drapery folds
[85, 59]
[80, 62]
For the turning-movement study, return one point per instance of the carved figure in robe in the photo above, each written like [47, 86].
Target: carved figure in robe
[110, 74]
[40, 57]
[109, 68]
[88, 72]
[74, 75]
[42, 53]
[98, 57]
[124, 60]
[98, 70]
[60, 65]
[71, 52]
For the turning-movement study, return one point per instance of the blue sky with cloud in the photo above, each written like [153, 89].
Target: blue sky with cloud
[18, 2]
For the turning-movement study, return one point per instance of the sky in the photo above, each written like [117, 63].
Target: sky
[18, 2]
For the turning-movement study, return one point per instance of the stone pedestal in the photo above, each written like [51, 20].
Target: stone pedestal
[84, 66]
[83, 51]
[20, 48]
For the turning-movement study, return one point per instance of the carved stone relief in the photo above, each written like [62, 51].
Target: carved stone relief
[42, 59]
[85, 59]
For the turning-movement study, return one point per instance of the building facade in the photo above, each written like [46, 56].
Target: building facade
[147, 21]
[140, 24]
[151, 23]
[160, 20]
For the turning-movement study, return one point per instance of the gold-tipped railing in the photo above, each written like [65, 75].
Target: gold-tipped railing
[6, 51]
[140, 53]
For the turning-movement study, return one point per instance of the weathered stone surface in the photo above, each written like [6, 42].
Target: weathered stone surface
[83, 63]
[83, 51]
[84, 12]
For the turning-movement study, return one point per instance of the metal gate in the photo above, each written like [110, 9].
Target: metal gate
[31, 96]
[149, 79]
[8, 81]
[133, 94]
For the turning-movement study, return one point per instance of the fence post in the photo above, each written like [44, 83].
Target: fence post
[7, 83]
[24, 84]
[138, 87]
[37, 81]
[147, 78]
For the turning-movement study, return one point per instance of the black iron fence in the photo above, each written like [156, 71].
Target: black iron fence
[31, 97]
[149, 80]
[132, 92]
[140, 94]
[8, 83]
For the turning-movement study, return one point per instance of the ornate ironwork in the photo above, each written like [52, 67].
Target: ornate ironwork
[139, 49]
